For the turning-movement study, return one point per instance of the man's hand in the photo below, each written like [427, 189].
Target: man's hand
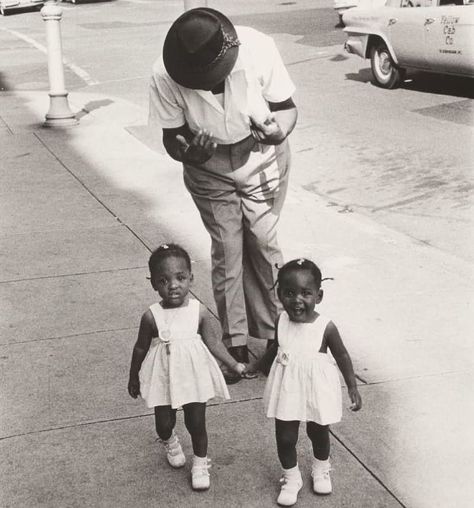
[267, 132]
[199, 150]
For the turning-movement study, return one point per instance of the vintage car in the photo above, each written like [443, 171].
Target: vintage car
[8, 5]
[341, 6]
[426, 35]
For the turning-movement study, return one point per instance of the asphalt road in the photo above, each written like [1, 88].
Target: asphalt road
[403, 157]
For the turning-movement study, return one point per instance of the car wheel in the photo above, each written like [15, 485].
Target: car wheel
[386, 73]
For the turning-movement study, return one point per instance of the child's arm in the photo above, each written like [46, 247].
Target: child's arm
[146, 332]
[334, 342]
[215, 345]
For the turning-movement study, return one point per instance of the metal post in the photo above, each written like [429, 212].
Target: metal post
[191, 4]
[59, 114]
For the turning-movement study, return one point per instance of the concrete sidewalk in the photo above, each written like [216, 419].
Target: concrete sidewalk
[81, 208]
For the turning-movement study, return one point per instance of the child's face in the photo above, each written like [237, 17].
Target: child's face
[172, 279]
[299, 294]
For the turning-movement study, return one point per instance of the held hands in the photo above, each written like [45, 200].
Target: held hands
[356, 399]
[134, 387]
[267, 132]
[244, 371]
[199, 150]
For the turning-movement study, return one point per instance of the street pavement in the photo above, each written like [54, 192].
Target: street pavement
[80, 210]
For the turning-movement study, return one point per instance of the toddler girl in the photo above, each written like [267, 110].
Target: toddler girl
[303, 383]
[172, 367]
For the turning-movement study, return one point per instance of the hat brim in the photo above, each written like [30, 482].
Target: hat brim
[199, 79]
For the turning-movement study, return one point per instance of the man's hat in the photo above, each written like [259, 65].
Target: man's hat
[200, 49]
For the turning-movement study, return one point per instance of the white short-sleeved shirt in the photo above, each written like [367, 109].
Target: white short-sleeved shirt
[258, 77]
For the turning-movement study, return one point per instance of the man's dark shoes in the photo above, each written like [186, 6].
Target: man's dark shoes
[240, 353]
[231, 378]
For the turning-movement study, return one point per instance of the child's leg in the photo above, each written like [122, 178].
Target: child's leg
[195, 421]
[165, 420]
[319, 435]
[286, 438]
[291, 481]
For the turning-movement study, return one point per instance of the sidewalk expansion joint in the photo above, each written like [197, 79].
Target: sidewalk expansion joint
[361, 379]
[109, 420]
[305, 60]
[73, 425]
[6, 125]
[74, 335]
[74, 274]
[422, 376]
[376, 478]
[234, 401]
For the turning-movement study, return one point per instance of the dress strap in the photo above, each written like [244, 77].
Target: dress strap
[196, 307]
[156, 310]
[322, 323]
[282, 330]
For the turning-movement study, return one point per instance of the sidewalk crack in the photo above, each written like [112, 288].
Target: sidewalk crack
[6, 125]
[367, 468]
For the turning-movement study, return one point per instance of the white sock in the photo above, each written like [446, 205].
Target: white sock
[320, 464]
[292, 471]
[171, 439]
[199, 461]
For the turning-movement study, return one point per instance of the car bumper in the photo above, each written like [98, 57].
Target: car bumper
[340, 9]
[16, 4]
[356, 45]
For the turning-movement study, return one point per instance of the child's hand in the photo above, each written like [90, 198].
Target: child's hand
[252, 366]
[356, 399]
[134, 387]
[244, 371]
[250, 370]
[240, 368]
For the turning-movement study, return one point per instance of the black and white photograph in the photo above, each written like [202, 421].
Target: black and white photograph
[236, 242]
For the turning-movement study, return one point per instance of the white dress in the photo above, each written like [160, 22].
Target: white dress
[303, 384]
[178, 367]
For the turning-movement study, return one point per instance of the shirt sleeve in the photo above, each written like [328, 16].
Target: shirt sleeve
[164, 110]
[277, 85]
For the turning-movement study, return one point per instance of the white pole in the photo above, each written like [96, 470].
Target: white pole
[191, 4]
[59, 114]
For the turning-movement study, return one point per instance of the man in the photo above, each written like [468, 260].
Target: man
[223, 98]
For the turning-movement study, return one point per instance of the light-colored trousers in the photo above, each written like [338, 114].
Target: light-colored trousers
[239, 193]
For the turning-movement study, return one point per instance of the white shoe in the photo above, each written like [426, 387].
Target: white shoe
[321, 480]
[174, 452]
[200, 478]
[291, 483]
